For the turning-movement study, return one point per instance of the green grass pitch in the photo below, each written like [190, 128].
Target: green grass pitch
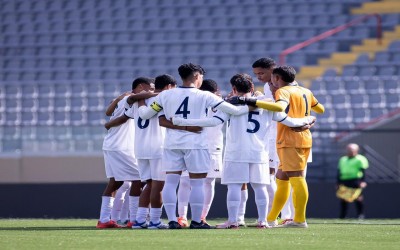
[82, 234]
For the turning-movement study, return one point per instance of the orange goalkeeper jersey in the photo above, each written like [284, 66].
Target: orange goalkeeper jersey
[299, 100]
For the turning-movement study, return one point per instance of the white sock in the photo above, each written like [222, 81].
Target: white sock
[105, 210]
[261, 197]
[271, 189]
[169, 195]
[124, 215]
[244, 195]
[209, 191]
[287, 211]
[183, 196]
[119, 200]
[233, 199]
[196, 199]
[141, 214]
[133, 207]
[155, 215]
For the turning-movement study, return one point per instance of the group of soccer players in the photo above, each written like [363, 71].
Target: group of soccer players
[169, 136]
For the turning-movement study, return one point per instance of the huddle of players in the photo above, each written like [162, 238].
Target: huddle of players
[168, 139]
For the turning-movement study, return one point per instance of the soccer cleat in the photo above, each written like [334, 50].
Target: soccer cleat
[227, 225]
[108, 224]
[199, 225]
[141, 225]
[158, 225]
[174, 225]
[183, 222]
[262, 225]
[293, 224]
[241, 223]
[123, 223]
[285, 221]
[273, 223]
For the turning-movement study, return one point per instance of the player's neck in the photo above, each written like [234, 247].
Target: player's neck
[189, 84]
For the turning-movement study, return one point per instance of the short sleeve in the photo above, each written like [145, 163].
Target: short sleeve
[130, 112]
[314, 101]
[282, 95]
[364, 162]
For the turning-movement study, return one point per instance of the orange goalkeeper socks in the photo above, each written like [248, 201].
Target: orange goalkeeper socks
[300, 198]
[280, 198]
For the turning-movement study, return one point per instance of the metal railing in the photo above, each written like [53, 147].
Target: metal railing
[331, 32]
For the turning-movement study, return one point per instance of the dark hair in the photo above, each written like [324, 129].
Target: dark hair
[209, 85]
[264, 62]
[141, 80]
[188, 69]
[287, 73]
[242, 82]
[163, 80]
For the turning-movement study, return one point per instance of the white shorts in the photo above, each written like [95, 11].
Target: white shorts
[241, 172]
[195, 161]
[215, 166]
[151, 169]
[121, 165]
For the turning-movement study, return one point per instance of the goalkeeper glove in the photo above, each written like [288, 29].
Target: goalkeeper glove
[241, 100]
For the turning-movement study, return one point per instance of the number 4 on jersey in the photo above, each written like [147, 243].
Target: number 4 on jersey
[183, 108]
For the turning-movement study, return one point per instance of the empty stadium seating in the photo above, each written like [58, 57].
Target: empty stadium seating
[62, 62]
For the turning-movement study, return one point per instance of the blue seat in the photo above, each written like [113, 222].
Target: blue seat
[395, 46]
[392, 100]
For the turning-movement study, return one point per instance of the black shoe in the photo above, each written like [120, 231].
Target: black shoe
[199, 225]
[174, 225]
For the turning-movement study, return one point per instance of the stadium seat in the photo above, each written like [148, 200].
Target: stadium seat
[376, 100]
[359, 100]
[393, 100]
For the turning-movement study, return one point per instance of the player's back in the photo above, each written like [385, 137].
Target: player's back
[189, 103]
[246, 137]
[300, 100]
[149, 135]
[120, 137]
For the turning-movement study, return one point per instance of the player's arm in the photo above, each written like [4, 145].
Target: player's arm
[318, 108]
[203, 122]
[293, 122]
[148, 112]
[116, 122]
[254, 102]
[140, 96]
[228, 108]
[163, 122]
[111, 107]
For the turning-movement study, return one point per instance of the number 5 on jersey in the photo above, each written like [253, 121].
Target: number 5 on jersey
[183, 108]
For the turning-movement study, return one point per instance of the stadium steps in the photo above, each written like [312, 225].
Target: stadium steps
[385, 6]
[340, 59]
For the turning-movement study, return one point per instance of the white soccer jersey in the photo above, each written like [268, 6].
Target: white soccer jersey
[121, 137]
[215, 136]
[149, 135]
[189, 103]
[272, 132]
[246, 137]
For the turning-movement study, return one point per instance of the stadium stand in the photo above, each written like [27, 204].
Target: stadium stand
[62, 62]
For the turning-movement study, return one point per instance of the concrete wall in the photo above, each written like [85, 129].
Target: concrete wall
[52, 169]
[83, 201]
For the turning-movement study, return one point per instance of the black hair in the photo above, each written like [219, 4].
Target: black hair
[164, 80]
[209, 85]
[287, 73]
[242, 82]
[141, 80]
[188, 69]
[264, 62]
